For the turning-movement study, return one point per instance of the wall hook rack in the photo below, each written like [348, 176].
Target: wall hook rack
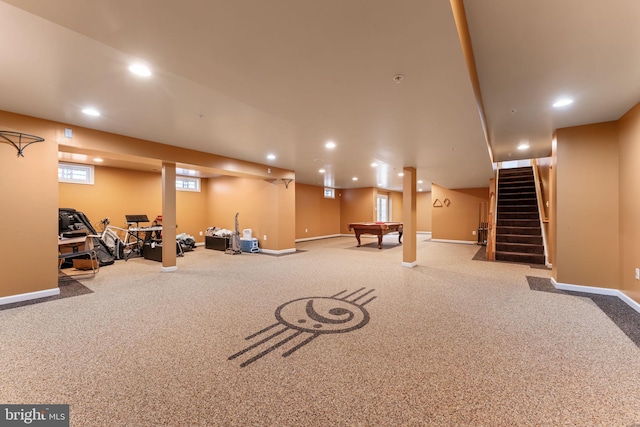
[19, 140]
[286, 181]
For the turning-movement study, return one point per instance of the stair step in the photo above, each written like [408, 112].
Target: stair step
[521, 201]
[519, 238]
[517, 215]
[525, 248]
[516, 183]
[515, 171]
[516, 186]
[516, 208]
[519, 257]
[517, 195]
[518, 222]
[535, 231]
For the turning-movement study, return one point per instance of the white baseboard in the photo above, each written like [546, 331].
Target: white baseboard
[169, 269]
[280, 252]
[306, 239]
[599, 291]
[29, 296]
[409, 264]
[465, 242]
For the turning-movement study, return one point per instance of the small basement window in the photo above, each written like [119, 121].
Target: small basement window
[184, 183]
[329, 193]
[75, 173]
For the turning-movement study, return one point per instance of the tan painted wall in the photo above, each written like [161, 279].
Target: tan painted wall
[396, 206]
[424, 211]
[316, 215]
[119, 192]
[356, 205]
[460, 218]
[322, 217]
[629, 140]
[29, 209]
[587, 242]
[266, 207]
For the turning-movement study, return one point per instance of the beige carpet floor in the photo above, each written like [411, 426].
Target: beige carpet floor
[452, 341]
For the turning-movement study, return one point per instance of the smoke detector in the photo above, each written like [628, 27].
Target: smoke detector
[398, 78]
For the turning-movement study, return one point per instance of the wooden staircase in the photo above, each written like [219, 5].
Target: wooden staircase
[518, 232]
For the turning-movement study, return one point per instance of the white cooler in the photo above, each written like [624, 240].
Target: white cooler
[249, 245]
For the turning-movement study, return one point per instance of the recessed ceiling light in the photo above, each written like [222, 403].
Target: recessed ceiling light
[98, 160]
[419, 189]
[374, 164]
[523, 146]
[355, 178]
[563, 102]
[420, 181]
[321, 171]
[401, 174]
[330, 145]
[271, 156]
[140, 70]
[91, 112]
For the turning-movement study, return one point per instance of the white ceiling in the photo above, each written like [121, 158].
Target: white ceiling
[245, 78]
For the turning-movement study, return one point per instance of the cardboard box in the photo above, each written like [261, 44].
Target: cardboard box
[85, 264]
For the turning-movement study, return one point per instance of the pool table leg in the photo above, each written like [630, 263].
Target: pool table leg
[358, 239]
[400, 237]
[380, 241]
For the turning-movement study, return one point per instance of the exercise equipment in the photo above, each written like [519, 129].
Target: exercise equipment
[73, 223]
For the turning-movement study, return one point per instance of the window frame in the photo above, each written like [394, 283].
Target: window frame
[89, 169]
[329, 193]
[182, 178]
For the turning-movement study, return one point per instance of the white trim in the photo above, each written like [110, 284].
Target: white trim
[169, 269]
[306, 239]
[624, 297]
[280, 252]
[466, 242]
[424, 232]
[585, 289]
[599, 291]
[409, 264]
[29, 296]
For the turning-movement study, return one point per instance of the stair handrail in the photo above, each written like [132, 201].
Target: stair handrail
[541, 212]
[493, 213]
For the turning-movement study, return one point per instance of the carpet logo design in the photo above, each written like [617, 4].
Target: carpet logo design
[305, 319]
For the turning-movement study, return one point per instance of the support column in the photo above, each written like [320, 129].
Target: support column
[409, 217]
[169, 217]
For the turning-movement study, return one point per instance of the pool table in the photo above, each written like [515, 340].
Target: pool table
[377, 229]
